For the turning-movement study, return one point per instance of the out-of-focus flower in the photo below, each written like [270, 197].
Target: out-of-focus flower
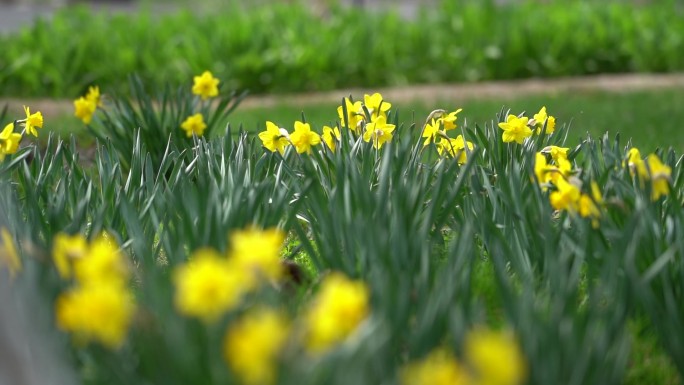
[252, 344]
[331, 136]
[495, 357]
[515, 129]
[337, 310]
[102, 262]
[257, 252]
[660, 176]
[32, 121]
[556, 152]
[542, 118]
[9, 257]
[93, 95]
[100, 311]
[440, 367]
[84, 109]
[208, 285]
[379, 132]
[566, 196]
[303, 138]
[67, 249]
[274, 139]
[194, 124]
[9, 141]
[355, 115]
[205, 85]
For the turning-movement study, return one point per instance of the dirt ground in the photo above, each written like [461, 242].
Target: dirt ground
[427, 93]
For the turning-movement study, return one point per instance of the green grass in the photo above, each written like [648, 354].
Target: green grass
[652, 118]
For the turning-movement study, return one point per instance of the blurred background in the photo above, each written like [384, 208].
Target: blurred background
[577, 57]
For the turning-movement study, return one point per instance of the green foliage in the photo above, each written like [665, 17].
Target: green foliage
[289, 48]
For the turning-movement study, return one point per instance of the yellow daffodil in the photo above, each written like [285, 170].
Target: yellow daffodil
[194, 124]
[100, 312]
[9, 141]
[205, 85]
[660, 177]
[379, 132]
[355, 115]
[542, 118]
[303, 138]
[67, 249]
[252, 344]
[449, 120]
[566, 197]
[84, 109]
[376, 105]
[274, 138]
[32, 121]
[93, 95]
[9, 257]
[338, 309]
[430, 132]
[440, 367]
[331, 136]
[257, 252]
[453, 147]
[515, 129]
[495, 358]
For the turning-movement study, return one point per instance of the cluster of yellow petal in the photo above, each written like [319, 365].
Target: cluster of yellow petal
[85, 106]
[518, 128]
[491, 358]
[337, 310]
[252, 344]
[651, 169]
[567, 194]
[367, 118]
[211, 284]
[100, 305]
[9, 141]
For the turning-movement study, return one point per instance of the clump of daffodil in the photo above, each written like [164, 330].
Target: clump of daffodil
[32, 121]
[337, 310]
[355, 116]
[651, 169]
[194, 124]
[252, 344]
[9, 141]
[303, 138]
[378, 132]
[331, 137]
[208, 285]
[85, 106]
[448, 120]
[9, 257]
[494, 357]
[440, 367]
[275, 138]
[515, 129]
[205, 85]
[541, 119]
[548, 173]
[100, 305]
